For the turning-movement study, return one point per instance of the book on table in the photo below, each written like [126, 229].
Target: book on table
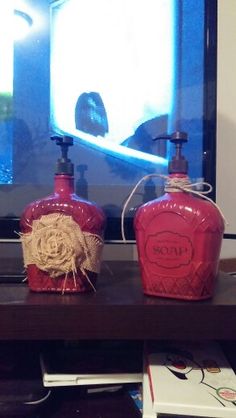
[190, 378]
[92, 364]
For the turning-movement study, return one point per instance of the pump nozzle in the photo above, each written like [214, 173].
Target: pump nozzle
[64, 164]
[178, 164]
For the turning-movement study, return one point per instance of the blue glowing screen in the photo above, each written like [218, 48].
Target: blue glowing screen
[112, 71]
[114, 74]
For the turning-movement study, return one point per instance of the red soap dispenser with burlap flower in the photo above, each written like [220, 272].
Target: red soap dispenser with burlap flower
[62, 235]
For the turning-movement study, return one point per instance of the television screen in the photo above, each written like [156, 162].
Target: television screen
[115, 75]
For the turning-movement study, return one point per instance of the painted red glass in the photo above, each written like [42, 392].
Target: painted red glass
[179, 240]
[179, 236]
[89, 217]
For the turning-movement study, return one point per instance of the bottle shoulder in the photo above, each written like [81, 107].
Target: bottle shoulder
[87, 214]
[177, 199]
[185, 205]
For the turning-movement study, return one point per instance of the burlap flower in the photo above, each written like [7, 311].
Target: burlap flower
[57, 245]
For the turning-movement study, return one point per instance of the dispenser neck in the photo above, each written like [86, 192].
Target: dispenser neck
[64, 164]
[178, 164]
[63, 185]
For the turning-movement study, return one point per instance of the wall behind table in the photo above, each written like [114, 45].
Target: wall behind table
[226, 120]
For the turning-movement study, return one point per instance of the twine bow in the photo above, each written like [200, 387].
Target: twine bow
[173, 184]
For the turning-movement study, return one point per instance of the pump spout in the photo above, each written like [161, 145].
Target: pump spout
[178, 164]
[64, 164]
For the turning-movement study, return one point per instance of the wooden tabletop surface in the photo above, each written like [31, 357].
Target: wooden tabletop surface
[118, 310]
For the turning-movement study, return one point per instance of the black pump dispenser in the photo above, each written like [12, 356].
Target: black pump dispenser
[64, 164]
[178, 164]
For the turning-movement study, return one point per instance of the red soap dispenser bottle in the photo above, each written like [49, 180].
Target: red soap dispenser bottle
[179, 237]
[62, 235]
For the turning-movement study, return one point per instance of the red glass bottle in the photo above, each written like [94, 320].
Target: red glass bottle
[179, 238]
[62, 235]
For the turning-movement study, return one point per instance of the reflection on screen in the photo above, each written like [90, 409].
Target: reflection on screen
[112, 71]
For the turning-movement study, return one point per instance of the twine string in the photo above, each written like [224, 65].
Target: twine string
[173, 184]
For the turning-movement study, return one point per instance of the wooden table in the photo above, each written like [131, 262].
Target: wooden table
[118, 310]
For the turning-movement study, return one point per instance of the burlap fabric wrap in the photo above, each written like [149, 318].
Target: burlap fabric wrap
[57, 245]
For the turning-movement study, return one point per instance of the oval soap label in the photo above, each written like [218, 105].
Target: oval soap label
[169, 249]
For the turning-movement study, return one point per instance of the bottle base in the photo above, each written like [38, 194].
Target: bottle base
[190, 287]
[178, 297]
[40, 281]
